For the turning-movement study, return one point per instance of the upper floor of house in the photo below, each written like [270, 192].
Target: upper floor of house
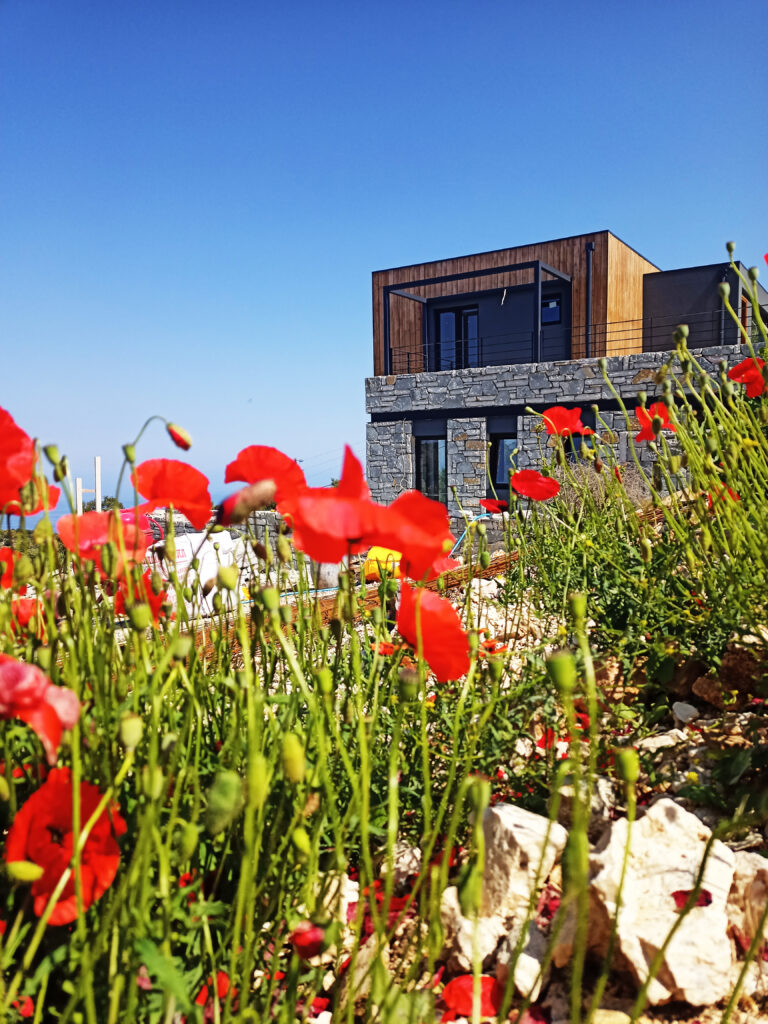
[571, 298]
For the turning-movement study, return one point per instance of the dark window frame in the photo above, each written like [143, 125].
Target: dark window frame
[546, 304]
[440, 493]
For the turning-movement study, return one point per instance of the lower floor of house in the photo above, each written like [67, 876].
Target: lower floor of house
[455, 435]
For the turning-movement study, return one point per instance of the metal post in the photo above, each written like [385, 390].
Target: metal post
[79, 495]
[387, 348]
[590, 248]
[97, 480]
[537, 310]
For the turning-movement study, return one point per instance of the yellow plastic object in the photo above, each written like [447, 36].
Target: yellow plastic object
[379, 559]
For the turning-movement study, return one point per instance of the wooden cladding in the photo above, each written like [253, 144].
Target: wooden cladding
[617, 293]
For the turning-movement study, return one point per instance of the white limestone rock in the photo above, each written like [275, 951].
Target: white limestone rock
[665, 855]
[519, 845]
[528, 976]
[684, 712]
[748, 895]
[462, 939]
[406, 861]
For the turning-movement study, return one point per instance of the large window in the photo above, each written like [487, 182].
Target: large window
[431, 469]
[457, 343]
[501, 462]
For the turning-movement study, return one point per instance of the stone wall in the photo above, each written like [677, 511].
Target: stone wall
[391, 447]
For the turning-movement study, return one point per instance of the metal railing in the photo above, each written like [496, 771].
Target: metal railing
[615, 338]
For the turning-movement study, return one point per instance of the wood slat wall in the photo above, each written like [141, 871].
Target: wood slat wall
[624, 331]
[566, 254]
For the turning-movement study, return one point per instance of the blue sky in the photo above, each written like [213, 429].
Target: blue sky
[193, 195]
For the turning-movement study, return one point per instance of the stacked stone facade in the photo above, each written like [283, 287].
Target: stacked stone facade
[466, 398]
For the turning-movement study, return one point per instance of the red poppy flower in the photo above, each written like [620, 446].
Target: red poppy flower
[260, 462]
[28, 694]
[494, 505]
[42, 833]
[170, 482]
[331, 522]
[384, 648]
[24, 1007]
[458, 996]
[721, 495]
[307, 940]
[431, 625]
[17, 461]
[531, 484]
[564, 422]
[222, 987]
[179, 436]
[23, 611]
[749, 372]
[87, 534]
[441, 564]
[681, 898]
[420, 529]
[8, 559]
[490, 647]
[646, 417]
[131, 592]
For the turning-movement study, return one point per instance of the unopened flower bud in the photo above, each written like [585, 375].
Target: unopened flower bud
[308, 940]
[152, 781]
[108, 558]
[188, 839]
[140, 617]
[724, 289]
[301, 841]
[485, 559]
[23, 570]
[179, 436]
[258, 782]
[284, 549]
[646, 550]
[294, 761]
[753, 274]
[131, 729]
[237, 507]
[627, 764]
[225, 802]
[5, 789]
[23, 870]
[51, 453]
[270, 598]
[561, 669]
[226, 577]
[730, 246]
[129, 451]
[577, 602]
[324, 678]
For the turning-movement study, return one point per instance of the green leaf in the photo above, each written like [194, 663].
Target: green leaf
[163, 971]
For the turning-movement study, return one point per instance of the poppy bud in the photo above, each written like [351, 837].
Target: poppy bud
[627, 764]
[179, 436]
[42, 532]
[308, 940]
[182, 645]
[168, 551]
[23, 870]
[561, 669]
[481, 529]
[217, 602]
[730, 246]
[681, 332]
[5, 789]
[646, 550]
[187, 843]
[753, 274]
[324, 678]
[642, 397]
[602, 363]
[226, 577]
[108, 557]
[23, 570]
[471, 892]
[51, 453]
[140, 617]
[496, 668]
[656, 424]
[186, 593]
[301, 841]
[284, 549]
[485, 559]
[270, 598]
[294, 762]
[225, 802]
[131, 729]
[258, 782]
[152, 781]
[129, 451]
[156, 583]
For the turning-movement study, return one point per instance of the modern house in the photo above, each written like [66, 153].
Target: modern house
[462, 346]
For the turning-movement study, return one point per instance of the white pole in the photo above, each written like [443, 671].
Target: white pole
[79, 494]
[97, 480]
